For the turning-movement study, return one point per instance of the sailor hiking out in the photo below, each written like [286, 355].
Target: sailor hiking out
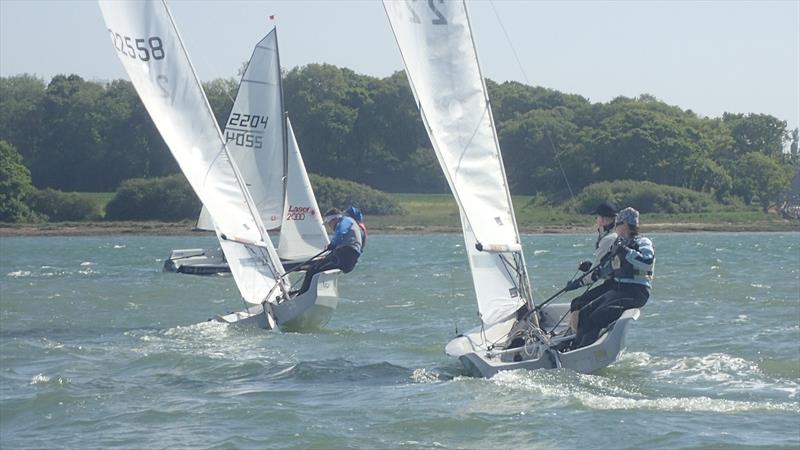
[628, 272]
[343, 251]
[356, 214]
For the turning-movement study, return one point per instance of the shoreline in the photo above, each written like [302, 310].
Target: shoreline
[178, 229]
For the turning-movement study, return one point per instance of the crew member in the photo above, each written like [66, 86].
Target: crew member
[605, 214]
[630, 270]
[344, 249]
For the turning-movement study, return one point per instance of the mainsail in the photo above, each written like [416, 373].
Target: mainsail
[255, 132]
[438, 51]
[150, 48]
[302, 232]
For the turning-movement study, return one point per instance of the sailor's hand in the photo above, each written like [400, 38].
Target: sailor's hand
[584, 266]
[572, 285]
[622, 249]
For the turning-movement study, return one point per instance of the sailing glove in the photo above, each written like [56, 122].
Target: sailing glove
[584, 266]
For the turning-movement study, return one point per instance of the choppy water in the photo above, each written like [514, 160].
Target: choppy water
[99, 348]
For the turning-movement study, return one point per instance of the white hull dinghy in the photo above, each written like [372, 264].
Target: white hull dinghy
[307, 311]
[167, 84]
[197, 261]
[438, 52]
[483, 353]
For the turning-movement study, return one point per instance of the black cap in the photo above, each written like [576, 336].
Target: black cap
[606, 209]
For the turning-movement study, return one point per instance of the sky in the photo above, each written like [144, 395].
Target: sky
[707, 56]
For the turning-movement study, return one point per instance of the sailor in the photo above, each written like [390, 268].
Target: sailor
[605, 214]
[343, 251]
[630, 270]
[356, 214]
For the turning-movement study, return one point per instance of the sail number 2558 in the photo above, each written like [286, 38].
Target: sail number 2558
[138, 48]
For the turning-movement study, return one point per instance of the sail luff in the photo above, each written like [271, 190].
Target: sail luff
[271, 256]
[165, 79]
[524, 278]
[438, 53]
[246, 193]
[284, 119]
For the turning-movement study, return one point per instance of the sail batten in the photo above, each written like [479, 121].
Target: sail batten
[438, 51]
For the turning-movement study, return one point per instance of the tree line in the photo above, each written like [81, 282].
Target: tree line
[81, 135]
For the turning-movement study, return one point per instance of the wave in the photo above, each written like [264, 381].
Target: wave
[601, 393]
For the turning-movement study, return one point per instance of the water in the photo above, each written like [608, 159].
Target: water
[99, 349]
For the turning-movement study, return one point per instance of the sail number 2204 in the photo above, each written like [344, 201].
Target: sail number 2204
[138, 48]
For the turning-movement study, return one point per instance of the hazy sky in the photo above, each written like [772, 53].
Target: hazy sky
[709, 56]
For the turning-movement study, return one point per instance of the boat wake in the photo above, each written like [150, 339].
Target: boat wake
[712, 383]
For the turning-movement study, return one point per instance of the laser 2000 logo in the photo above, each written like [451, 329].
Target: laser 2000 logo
[299, 212]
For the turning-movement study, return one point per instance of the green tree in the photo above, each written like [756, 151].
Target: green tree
[756, 133]
[21, 99]
[72, 148]
[761, 179]
[131, 146]
[541, 155]
[15, 184]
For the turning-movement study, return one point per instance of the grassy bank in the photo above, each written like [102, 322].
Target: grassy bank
[439, 213]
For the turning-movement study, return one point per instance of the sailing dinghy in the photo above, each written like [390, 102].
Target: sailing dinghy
[149, 47]
[438, 51]
[264, 167]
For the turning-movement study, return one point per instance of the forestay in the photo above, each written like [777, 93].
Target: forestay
[436, 44]
[302, 232]
[150, 48]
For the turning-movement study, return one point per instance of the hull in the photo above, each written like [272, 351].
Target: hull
[480, 362]
[197, 261]
[308, 311]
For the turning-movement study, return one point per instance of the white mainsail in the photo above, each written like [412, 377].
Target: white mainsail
[302, 231]
[255, 132]
[436, 44]
[150, 48]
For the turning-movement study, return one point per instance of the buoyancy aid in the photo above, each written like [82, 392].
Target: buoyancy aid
[635, 266]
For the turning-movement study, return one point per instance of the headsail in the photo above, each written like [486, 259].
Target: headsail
[302, 232]
[435, 41]
[204, 220]
[152, 53]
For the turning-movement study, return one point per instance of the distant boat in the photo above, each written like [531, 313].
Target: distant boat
[260, 155]
[149, 47]
[441, 63]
